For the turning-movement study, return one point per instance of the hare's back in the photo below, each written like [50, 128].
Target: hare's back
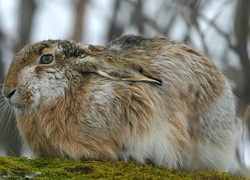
[186, 74]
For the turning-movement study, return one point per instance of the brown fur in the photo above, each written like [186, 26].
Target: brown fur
[116, 96]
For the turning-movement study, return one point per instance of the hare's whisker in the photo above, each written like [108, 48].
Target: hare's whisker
[2, 103]
[6, 119]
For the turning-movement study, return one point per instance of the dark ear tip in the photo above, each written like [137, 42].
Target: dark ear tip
[159, 82]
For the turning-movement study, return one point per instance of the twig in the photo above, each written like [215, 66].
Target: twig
[219, 31]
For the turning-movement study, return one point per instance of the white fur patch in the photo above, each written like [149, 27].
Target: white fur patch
[157, 148]
[34, 90]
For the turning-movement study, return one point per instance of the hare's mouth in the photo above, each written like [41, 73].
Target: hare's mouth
[22, 108]
[19, 106]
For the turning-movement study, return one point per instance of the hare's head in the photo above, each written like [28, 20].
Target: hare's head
[44, 71]
[38, 74]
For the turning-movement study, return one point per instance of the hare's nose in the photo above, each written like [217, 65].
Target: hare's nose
[8, 92]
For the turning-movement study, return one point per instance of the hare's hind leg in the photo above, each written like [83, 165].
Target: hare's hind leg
[218, 134]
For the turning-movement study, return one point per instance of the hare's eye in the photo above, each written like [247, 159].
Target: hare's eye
[46, 59]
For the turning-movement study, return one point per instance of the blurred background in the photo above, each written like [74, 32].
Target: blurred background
[219, 29]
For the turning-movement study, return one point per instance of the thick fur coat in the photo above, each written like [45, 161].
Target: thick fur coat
[145, 99]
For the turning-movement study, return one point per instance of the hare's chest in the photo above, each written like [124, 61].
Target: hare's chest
[39, 137]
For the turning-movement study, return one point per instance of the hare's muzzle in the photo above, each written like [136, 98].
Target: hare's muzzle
[8, 92]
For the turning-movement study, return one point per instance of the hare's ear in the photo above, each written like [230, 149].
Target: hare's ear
[116, 68]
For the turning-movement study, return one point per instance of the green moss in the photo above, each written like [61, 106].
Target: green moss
[59, 168]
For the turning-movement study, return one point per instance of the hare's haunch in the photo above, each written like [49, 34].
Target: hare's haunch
[140, 98]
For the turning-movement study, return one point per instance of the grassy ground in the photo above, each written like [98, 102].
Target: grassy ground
[59, 168]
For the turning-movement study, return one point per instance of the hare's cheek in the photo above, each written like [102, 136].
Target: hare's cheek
[28, 88]
[52, 85]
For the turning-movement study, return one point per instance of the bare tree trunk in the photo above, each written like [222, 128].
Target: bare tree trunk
[27, 12]
[242, 32]
[1, 61]
[80, 6]
[114, 29]
[137, 17]
[1, 70]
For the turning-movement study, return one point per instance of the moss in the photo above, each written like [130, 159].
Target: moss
[59, 168]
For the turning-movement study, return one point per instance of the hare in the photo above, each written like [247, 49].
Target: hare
[138, 98]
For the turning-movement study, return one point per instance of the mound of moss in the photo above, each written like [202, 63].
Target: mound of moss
[59, 168]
